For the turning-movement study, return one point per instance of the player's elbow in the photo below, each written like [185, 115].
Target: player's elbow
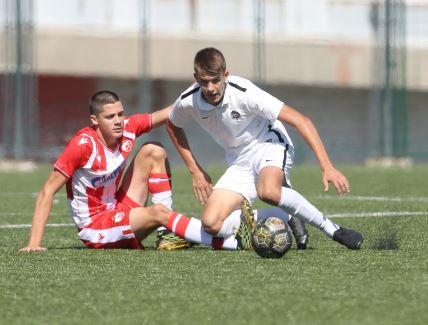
[306, 122]
[46, 194]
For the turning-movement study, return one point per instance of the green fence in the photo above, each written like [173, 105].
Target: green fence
[19, 113]
[389, 96]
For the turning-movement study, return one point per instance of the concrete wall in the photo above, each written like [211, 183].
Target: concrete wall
[325, 64]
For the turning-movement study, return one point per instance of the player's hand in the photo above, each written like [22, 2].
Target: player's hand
[33, 249]
[339, 181]
[202, 186]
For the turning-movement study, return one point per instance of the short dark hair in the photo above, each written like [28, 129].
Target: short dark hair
[101, 98]
[209, 60]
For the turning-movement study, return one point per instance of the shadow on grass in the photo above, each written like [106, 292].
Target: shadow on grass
[68, 247]
[386, 240]
[152, 248]
[146, 248]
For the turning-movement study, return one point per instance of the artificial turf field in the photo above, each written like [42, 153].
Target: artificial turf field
[384, 283]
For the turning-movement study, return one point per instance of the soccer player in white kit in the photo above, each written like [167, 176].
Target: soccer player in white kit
[248, 123]
[91, 166]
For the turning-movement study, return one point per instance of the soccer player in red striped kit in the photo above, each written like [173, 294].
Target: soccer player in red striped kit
[110, 211]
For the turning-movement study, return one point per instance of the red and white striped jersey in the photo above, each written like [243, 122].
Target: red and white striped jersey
[94, 171]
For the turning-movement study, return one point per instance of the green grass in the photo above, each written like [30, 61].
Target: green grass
[384, 283]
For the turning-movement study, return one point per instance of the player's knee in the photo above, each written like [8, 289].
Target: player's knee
[161, 213]
[269, 195]
[211, 226]
[154, 150]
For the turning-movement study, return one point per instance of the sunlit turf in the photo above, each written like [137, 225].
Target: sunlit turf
[384, 283]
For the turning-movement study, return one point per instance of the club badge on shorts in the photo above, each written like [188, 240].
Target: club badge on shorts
[118, 217]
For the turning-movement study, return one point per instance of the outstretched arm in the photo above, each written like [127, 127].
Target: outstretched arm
[201, 181]
[309, 133]
[161, 116]
[42, 211]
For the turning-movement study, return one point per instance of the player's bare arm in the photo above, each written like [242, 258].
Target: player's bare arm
[309, 133]
[161, 116]
[42, 211]
[201, 181]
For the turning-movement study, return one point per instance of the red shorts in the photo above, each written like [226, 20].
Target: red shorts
[111, 229]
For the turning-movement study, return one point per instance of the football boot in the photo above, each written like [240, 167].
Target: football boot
[300, 232]
[349, 238]
[167, 240]
[246, 226]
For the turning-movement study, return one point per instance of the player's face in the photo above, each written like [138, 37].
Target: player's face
[212, 86]
[109, 123]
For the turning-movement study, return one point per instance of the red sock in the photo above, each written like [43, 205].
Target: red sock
[159, 183]
[191, 229]
[178, 224]
[160, 187]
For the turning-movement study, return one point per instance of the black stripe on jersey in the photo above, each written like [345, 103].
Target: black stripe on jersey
[238, 87]
[278, 134]
[194, 90]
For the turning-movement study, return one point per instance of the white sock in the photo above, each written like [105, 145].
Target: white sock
[195, 233]
[191, 230]
[230, 243]
[165, 198]
[159, 186]
[295, 204]
[271, 212]
[230, 224]
[225, 239]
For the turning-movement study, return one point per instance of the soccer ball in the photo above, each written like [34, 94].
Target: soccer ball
[271, 238]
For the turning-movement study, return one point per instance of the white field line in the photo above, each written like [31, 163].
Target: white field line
[319, 197]
[324, 197]
[21, 214]
[53, 225]
[374, 198]
[379, 214]
[337, 215]
[32, 194]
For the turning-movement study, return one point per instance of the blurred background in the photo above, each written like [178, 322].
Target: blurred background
[357, 68]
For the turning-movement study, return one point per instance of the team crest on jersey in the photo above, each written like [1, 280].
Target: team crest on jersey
[118, 217]
[127, 145]
[235, 115]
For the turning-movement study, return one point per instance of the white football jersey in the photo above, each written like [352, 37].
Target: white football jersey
[94, 171]
[247, 115]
